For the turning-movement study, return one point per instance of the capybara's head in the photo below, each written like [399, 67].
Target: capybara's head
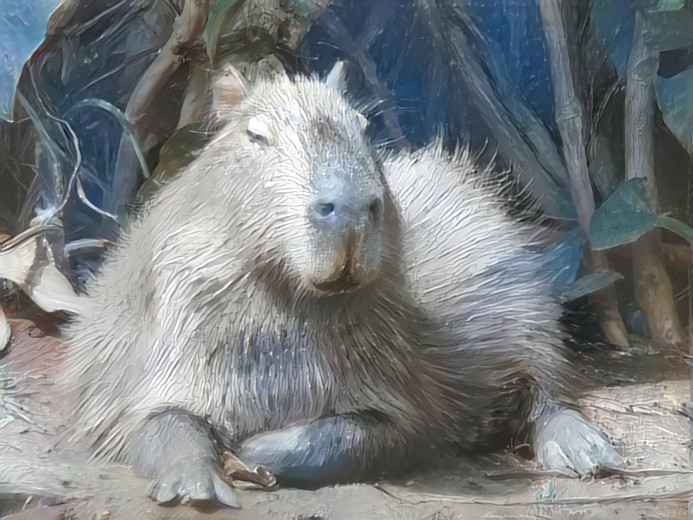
[310, 193]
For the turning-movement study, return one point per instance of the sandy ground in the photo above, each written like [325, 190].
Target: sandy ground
[638, 400]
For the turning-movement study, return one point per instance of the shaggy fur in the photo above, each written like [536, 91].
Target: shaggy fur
[207, 327]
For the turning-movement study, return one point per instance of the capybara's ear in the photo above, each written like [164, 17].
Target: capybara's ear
[336, 78]
[229, 89]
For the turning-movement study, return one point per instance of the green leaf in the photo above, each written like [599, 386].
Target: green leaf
[48, 145]
[627, 215]
[611, 25]
[22, 29]
[612, 22]
[219, 14]
[676, 226]
[669, 30]
[590, 283]
[668, 5]
[624, 217]
[675, 99]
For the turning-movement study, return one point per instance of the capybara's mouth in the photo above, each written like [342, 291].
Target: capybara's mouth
[339, 285]
[343, 280]
[348, 276]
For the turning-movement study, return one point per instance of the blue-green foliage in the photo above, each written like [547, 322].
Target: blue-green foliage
[675, 100]
[563, 260]
[588, 284]
[627, 215]
[669, 28]
[624, 217]
[562, 264]
[218, 14]
[612, 23]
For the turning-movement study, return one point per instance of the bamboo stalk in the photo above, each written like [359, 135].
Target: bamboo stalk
[653, 289]
[569, 118]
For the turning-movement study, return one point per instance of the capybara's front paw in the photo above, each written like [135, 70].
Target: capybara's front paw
[193, 480]
[565, 442]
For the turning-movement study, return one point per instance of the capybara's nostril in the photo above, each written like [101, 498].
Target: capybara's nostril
[374, 211]
[323, 209]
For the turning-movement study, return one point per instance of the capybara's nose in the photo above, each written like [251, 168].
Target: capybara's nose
[347, 211]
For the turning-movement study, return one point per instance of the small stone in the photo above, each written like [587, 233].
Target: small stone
[547, 491]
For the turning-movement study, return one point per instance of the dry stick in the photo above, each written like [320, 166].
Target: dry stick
[570, 125]
[187, 28]
[653, 288]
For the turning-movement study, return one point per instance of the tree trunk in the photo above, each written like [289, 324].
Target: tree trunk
[653, 288]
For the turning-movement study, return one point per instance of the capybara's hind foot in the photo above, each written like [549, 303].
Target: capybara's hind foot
[197, 481]
[565, 442]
